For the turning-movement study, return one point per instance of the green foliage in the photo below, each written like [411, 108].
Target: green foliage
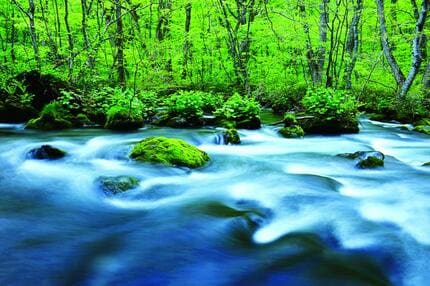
[169, 152]
[243, 112]
[333, 111]
[188, 105]
[330, 104]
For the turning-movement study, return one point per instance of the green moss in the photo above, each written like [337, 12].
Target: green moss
[170, 152]
[290, 119]
[425, 129]
[116, 185]
[121, 118]
[52, 117]
[370, 162]
[292, 132]
[231, 136]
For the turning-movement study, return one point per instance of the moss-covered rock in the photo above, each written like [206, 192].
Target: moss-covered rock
[426, 164]
[118, 184]
[366, 159]
[289, 119]
[231, 136]
[46, 152]
[425, 129]
[52, 117]
[293, 131]
[169, 152]
[121, 118]
[370, 163]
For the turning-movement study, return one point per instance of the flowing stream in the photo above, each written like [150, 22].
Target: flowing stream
[271, 211]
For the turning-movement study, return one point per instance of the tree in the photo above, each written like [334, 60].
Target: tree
[404, 83]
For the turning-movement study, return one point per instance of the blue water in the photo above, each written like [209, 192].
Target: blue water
[271, 211]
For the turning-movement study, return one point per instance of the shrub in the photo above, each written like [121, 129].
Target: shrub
[334, 111]
[241, 112]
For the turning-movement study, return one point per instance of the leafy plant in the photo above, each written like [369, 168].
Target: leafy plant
[242, 111]
[330, 104]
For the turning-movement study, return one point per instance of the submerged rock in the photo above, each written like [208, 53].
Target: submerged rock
[118, 184]
[46, 152]
[366, 159]
[169, 152]
[231, 136]
[426, 164]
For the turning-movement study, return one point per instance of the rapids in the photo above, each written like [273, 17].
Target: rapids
[270, 211]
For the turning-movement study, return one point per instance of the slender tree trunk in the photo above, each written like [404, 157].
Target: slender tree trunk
[386, 48]
[87, 44]
[119, 43]
[69, 36]
[426, 77]
[417, 55]
[352, 43]
[187, 43]
[323, 39]
[58, 24]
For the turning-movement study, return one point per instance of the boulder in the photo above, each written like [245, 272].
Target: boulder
[231, 136]
[169, 152]
[366, 159]
[120, 118]
[52, 117]
[117, 185]
[293, 131]
[46, 152]
[317, 125]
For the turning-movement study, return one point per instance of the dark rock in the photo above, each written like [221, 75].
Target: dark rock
[44, 87]
[366, 159]
[330, 127]
[46, 152]
[249, 123]
[118, 184]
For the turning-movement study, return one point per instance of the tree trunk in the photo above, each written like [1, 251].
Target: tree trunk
[119, 43]
[386, 48]
[187, 44]
[87, 44]
[352, 43]
[33, 34]
[417, 56]
[69, 36]
[323, 39]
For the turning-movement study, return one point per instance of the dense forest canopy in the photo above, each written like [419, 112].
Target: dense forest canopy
[276, 47]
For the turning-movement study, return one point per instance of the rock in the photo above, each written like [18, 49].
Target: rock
[169, 152]
[293, 131]
[425, 129]
[331, 127]
[120, 118]
[118, 184]
[249, 123]
[46, 152]
[426, 164]
[289, 119]
[231, 136]
[45, 88]
[52, 117]
[366, 159]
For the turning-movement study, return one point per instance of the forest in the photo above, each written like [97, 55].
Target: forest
[217, 142]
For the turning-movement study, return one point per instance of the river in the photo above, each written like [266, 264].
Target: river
[270, 211]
